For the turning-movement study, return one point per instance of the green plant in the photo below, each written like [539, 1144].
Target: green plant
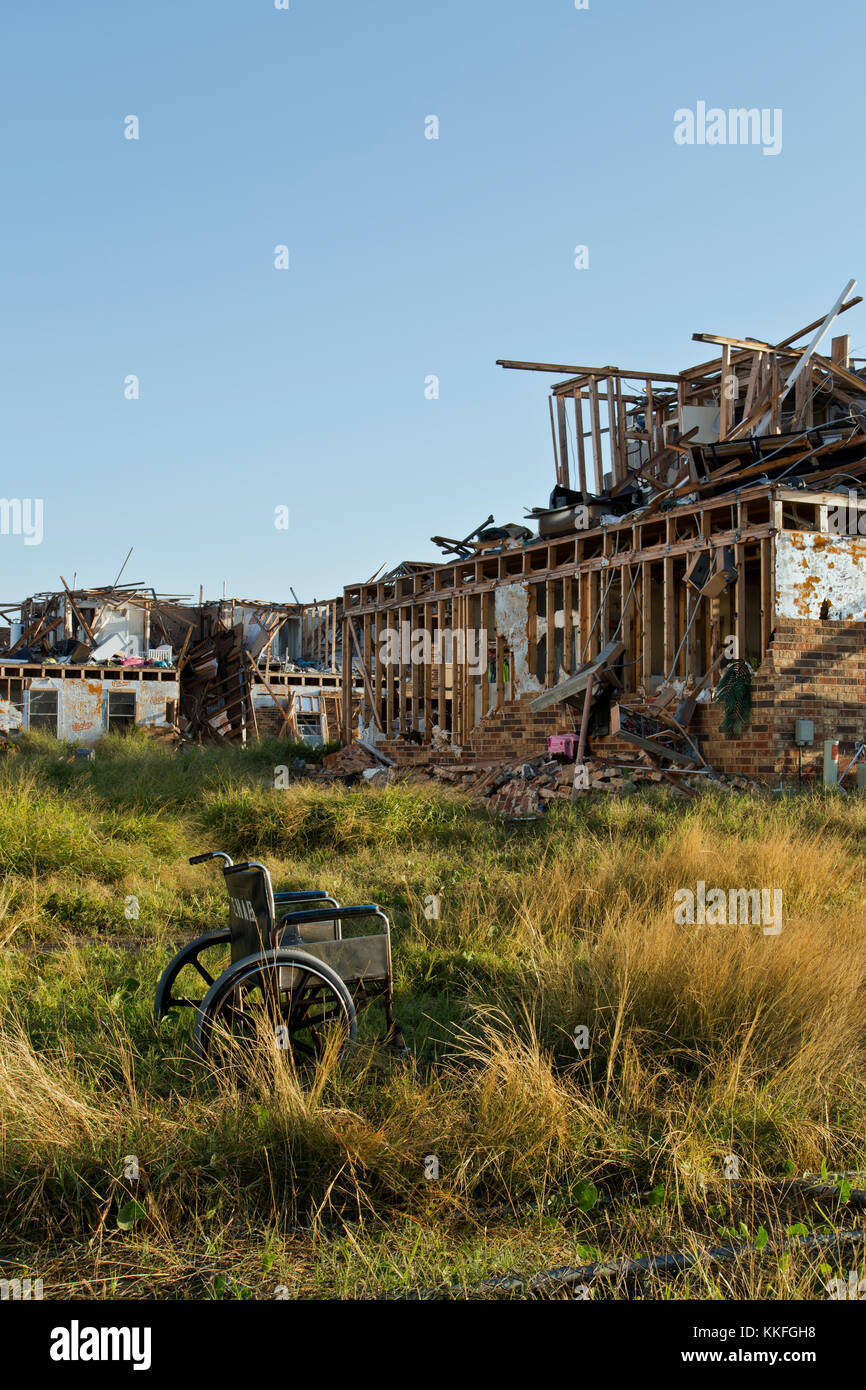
[734, 694]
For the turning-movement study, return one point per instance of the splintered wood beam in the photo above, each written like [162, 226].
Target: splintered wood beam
[753, 382]
[743, 346]
[650, 745]
[559, 370]
[749, 423]
[815, 340]
[584, 722]
[837, 369]
[76, 610]
[259, 675]
[575, 684]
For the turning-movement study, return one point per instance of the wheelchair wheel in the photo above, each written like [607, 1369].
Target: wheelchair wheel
[282, 998]
[206, 957]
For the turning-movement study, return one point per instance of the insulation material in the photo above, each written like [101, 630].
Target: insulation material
[814, 566]
[512, 623]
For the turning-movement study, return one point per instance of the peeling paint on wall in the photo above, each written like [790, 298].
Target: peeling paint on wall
[511, 607]
[10, 717]
[82, 705]
[812, 567]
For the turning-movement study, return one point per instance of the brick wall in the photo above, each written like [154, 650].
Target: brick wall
[812, 670]
[513, 731]
[270, 722]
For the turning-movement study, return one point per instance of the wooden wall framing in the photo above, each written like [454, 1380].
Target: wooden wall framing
[625, 579]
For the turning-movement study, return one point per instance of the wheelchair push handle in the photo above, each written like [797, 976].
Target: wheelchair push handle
[211, 854]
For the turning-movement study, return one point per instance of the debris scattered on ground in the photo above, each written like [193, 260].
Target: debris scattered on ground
[526, 787]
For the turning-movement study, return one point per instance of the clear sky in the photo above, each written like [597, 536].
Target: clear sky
[408, 257]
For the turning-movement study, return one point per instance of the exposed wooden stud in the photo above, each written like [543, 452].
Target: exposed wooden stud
[567, 624]
[646, 626]
[740, 591]
[612, 425]
[556, 462]
[597, 462]
[564, 473]
[442, 700]
[532, 629]
[550, 644]
[725, 410]
[766, 546]
[579, 439]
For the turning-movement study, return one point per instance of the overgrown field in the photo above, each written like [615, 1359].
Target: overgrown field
[705, 1043]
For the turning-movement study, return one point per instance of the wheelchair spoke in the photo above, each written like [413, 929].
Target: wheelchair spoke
[301, 1003]
[205, 974]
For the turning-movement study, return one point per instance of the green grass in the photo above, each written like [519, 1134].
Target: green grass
[703, 1042]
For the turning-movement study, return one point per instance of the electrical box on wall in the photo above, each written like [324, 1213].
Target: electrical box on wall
[804, 733]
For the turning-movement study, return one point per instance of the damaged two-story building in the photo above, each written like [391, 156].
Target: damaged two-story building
[80, 663]
[713, 514]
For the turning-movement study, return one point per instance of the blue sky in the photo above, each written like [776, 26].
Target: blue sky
[408, 257]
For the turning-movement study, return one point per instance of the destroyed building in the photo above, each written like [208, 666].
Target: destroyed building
[699, 520]
[79, 663]
[697, 517]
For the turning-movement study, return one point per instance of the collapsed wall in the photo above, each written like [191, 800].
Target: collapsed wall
[812, 669]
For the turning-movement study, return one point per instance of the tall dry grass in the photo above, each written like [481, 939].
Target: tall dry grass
[703, 1042]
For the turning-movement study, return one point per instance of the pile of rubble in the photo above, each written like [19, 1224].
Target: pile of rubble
[357, 760]
[526, 788]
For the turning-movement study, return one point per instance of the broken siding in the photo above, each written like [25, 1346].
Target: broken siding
[812, 567]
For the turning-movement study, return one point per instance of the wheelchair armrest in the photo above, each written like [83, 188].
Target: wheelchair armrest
[326, 914]
[335, 914]
[305, 897]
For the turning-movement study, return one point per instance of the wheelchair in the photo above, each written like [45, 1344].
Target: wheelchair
[292, 972]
